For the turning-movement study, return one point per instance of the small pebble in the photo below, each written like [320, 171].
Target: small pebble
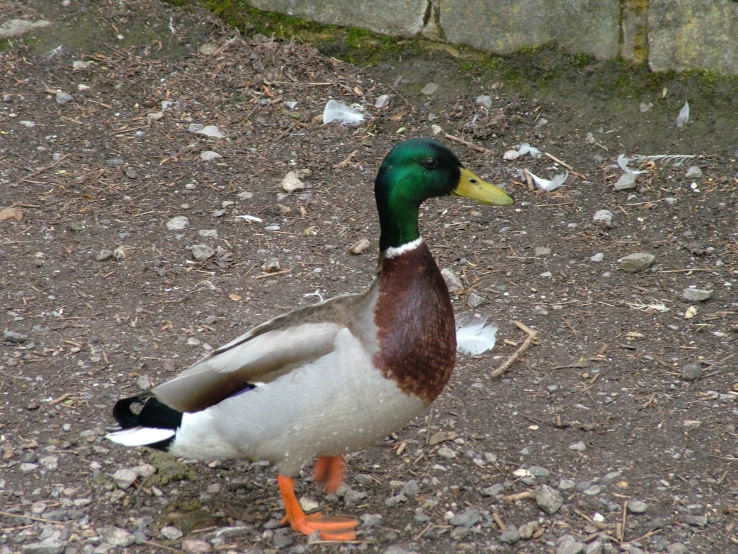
[453, 282]
[549, 499]
[627, 181]
[63, 98]
[202, 252]
[468, 518]
[446, 452]
[634, 263]
[637, 506]
[178, 223]
[693, 172]
[696, 295]
[510, 535]
[691, 372]
[603, 218]
[13, 336]
[578, 446]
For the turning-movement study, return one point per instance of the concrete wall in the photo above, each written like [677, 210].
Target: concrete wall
[668, 34]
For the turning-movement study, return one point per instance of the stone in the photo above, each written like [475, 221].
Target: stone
[292, 183]
[633, 263]
[271, 265]
[196, 546]
[541, 251]
[595, 547]
[691, 372]
[453, 282]
[50, 545]
[202, 252]
[63, 98]
[115, 536]
[395, 500]
[171, 533]
[485, 101]
[49, 462]
[637, 506]
[597, 257]
[104, 255]
[569, 545]
[696, 295]
[696, 521]
[677, 548]
[178, 223]
[475, 299]
[125, 477]
[496, 491]
[505, 26]
[467, 518]
[539, 472]
[17, 27]
[627, 181]
[354, 497]
[208, 233]
[430, 89]
[603, 218]
[527, 529]
[510, 535]
[11, 214]
[13, 336]
[691, 34]
[578, 446]
[594, 490]
[694, 172]
[387, 17]
[446, 452]
[566, 484]
[410, 489]
[360, 246]
[549, 499]
[282, 538]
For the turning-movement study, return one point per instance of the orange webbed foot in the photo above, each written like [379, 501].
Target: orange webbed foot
[329, 471]
[332, 528]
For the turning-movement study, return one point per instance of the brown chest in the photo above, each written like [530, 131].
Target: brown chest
[415, 324]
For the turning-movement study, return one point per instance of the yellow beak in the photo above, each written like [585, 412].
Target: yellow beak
[471, 186]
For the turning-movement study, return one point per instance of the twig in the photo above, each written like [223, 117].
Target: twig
[467, 143]
[521, 496]
[600, 526]
[529, 180]
[498, 521]
[265, 275]
[639, 539]
[625, 516]
[558, 161]
[21, 516]
[531, 339]
[57, 162]
[157, 545]
[61, 399]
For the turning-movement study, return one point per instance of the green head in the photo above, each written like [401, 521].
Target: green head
[418, 169]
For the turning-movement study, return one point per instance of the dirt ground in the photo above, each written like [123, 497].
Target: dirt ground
[627, 409]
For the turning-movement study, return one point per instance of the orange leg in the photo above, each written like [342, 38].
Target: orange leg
[329, 471]
[332, 528]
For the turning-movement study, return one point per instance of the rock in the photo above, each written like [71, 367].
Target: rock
[202, 252]
[354, 497]
[677, 548]
[627, 181]
[104, 255]
[209, 155]
[196, 546]
[115, 536]
[595, 547]
[382, 101]
[430, 89]
[637, 506]
[612, 477]
[271, 265]
[446, 452]
[578, 446]
[282, 538]
[539, 472]
[696, 521]
[511, 155]
[510, 535]
[360, 246]
[594, 490]
[542, 251]
[475, 299]
[569, 545]
[634, 263]
[693, 172]
[467, 518]
[527, 529]
[395, 500]
[410, 489]
[496, 491]
[370, 520]
[124, 477]
[603, 218]
[691, 372]
[453, 282]
[178, 223]
[291, 182]
[50, 545]
[171, 533]
[49, 462]
[17, 27]
[12, 336]
[548, 499]
[11, 214]
[63, 98]
[696, 295]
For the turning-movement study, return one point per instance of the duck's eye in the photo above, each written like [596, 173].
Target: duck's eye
[430, 163]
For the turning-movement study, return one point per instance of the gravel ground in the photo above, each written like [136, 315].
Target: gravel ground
[131, 244]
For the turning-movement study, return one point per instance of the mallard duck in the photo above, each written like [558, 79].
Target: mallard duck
[334, 377]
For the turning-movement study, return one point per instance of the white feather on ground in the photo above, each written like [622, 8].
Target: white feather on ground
[337, 111]
[553, 184]
[140, 436]
[476, 338]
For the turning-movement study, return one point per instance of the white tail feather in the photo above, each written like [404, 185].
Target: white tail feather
[140, 436]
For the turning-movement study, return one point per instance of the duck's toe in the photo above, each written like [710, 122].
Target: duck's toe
[329, 471]
[332, 528]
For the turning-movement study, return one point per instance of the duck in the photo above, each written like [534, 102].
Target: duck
[334, 377]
